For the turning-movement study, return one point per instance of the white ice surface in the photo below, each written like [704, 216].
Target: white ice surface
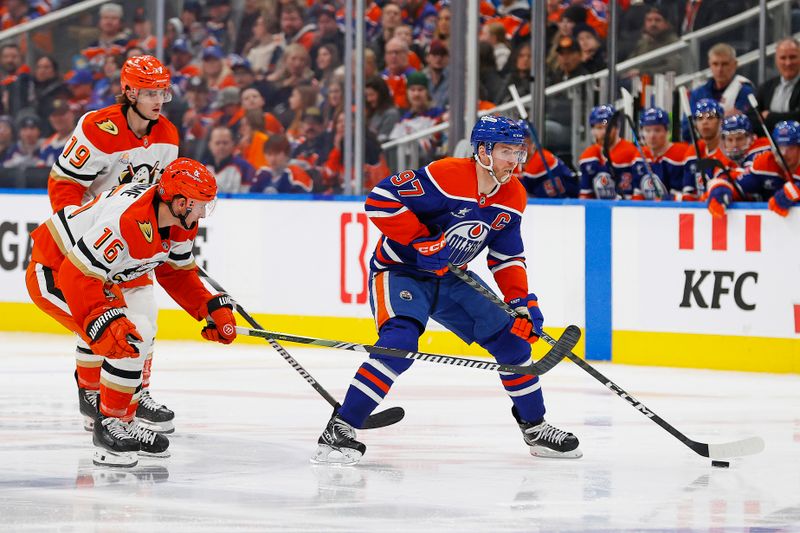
[247, 424]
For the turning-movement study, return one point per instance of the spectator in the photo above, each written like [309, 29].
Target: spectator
[314, 140]
[593, 54]
[569, 63]
[293, 69]
[80, 86]
[421, 16]
[381, 114]
[182, 67]
[280, 176]
[293, 29]
[656, 32]
[20, 11]
[442, 32]
[15, 81]
[262, 50]
[490, 80]
[252, 99]
[328, 31]
[62, 121]
[244, 76]
[725, 86]
[172, 32]
[397, 70]
[47, 85]
[303, 97]
[370, 63]
[112, 39]
[334, 102]
[252, 138]
[520, 70]
[391, 18]
[251, 12]
[228, 108]
[233, 173]
[327, 61]
[570, 17]
[779, 97]
[143, 37]
[219, 25]
[6, 138]
[421, 115]
[191, 13]
[106, 88]
[404, 32]
[26, 152]
[216, 74]
[515, 8]
[198, 118]
[495, 35]
[438, 74]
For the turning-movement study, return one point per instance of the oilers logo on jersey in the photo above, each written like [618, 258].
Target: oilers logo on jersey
[466, 240]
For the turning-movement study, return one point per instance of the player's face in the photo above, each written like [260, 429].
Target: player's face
[599, 134]
[506, 157]
[736, 144]
[193, 210]
[707, 126]
[791, 154]
[655, 136]
[150, 101]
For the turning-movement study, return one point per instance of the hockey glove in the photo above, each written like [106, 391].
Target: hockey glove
[719, 198]
[221, 325]
[111, 334]
[529, 322]
[783, 199]
[433, 253]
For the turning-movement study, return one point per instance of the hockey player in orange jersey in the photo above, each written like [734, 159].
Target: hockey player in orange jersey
[79, 256]
[129, 142]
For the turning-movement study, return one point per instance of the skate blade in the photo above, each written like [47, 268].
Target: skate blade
[543, 451]
[88, 423]
[326, 455]
[158, 427]
[103, 457]
[159, 455]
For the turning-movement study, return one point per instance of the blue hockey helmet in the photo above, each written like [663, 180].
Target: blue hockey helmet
[654, 116]
[736, 124]
[787, 133]
[601, 114]
[708, 107]
[491, 129]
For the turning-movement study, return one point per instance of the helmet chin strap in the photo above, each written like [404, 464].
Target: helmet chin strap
[182, 217]
[490, 169]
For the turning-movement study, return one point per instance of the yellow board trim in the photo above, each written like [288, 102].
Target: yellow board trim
[715, 352]
[178, 325]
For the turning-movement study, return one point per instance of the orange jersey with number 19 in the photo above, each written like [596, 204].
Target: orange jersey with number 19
[103, 152]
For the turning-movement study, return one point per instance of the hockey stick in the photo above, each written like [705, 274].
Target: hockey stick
[748, 446]
[523, 114]
[378, 420]
[706, 163]
[658, 185]
[778, 155]
[560, 348]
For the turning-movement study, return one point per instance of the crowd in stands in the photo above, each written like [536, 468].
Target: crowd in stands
[261, 103]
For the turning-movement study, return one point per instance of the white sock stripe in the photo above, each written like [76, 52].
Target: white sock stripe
[111, 378]
[526, 390]
[366, 390]
[383, 369]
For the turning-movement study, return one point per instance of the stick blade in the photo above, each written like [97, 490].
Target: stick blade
[393, 415]
[739, 448]
[565, 344]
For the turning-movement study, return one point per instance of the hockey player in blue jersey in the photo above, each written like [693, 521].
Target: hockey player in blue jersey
[665, 157]
[448, 212]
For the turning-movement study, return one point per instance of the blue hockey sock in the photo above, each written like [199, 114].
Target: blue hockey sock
[523, 389]
[377, 374]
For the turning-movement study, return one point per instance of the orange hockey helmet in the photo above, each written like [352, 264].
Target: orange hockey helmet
[144, 72]
[188, 178]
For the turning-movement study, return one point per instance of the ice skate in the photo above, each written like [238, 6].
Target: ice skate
[151, 443]
[338, 444]
[548, 441]
[115, 446]
[154, 415]
[87, 404]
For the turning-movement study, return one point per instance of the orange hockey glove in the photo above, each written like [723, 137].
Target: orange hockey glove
[111, 333]
[221, 325]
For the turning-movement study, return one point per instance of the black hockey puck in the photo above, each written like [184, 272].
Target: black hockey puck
[720, 464]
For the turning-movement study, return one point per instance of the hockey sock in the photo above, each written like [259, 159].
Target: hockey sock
[148, 363]
[376, 375]
[88, 368]
[524, 390]
[120, 387]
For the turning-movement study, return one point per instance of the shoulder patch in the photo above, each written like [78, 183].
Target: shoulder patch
[147, 230]
[108, 126]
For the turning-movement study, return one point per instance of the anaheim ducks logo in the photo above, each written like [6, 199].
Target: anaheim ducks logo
[143, 173]
[108, 126]
[147, 230]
